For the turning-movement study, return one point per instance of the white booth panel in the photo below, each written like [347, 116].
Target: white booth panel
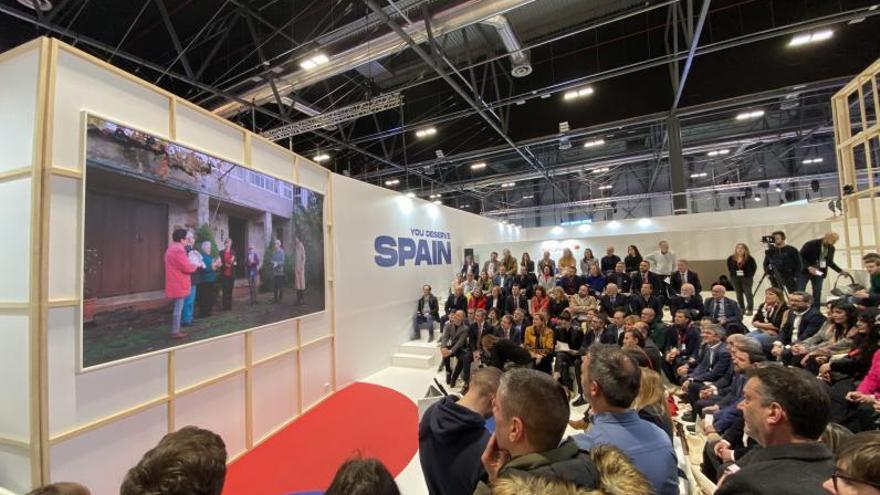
[315, 326]
[272, 160]
[15, 370]
[274, 339]
[274, 394]
[100, 458]
[202, 362]
[18, 99]
[78, 399]
[312, 176]
[219, 408]
[64, 257]
[82, 85]
[317, 367]
[208, 134]
[15, 223]
[15, 469]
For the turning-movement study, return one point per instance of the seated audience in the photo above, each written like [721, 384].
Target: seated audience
[477, 300]
[871, 295]
[548, 262]
[612, 379]
[587, 262]
[427, 312]
[491, 265]
[494, 318]
[663, 263]
[558, 303]
[569, 339]
[609, 261]
[503, 280]
[857, 470]
[646, 277]
[646, 298]
[620, 278]
[547, 279]
[505, 354]
[453, 435]
[496, 299]
[527, 282]
[658, 332]
[633, 259]
[61, 488]
[566, 262]
[470, 283]
[469, 267]
[363, 477]
[651, 403]
[722, 402]
[712, 368]
[595, 281]
[538, 340]
[801, 322]
[456, 302]
[833, 339]
[516, 300]
[509, 262]
[687, 299]
[723, 310]
[485, 281]
[531, 413]
[655, 355]
[768, 319]
[614, 331]
[521, 320]
[581, 302]
[684, 275]
[527, 263]
[540, 302]
[507, 330]
[612, 300]
[683, 344]
[866, 397]
[478, 328]
[786, 411]
[570, 281]
[454, 343]
[190, 460]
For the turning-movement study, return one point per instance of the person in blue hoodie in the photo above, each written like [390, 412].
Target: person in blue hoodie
[453, 436]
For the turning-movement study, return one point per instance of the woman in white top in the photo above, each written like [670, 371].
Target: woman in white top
[547, 280]
[587, 261]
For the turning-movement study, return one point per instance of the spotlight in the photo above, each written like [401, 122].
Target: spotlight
[478, 166]
[594, 143]
[812, 160]
[605, 187]
[578, 93]
[601, 170]
[423, 133]
[392, 182]
[508, 184]
[434, 196]
[718, 152]
[699, 175]
[810, 38]
[754, 114]
[530, 196]
[323, 157]
[315, 61]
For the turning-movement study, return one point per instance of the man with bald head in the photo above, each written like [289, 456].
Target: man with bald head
[818, 258]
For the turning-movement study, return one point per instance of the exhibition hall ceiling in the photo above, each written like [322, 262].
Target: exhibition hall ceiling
[299, 58]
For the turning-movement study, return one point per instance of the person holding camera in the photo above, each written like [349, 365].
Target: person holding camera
[818, 257]
[782, 262]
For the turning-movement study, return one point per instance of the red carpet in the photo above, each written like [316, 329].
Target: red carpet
[361, 419]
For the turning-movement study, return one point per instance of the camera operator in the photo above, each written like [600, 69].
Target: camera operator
[818, 258]
[782, 262]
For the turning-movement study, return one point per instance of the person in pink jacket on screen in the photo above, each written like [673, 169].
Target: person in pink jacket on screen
[177, 278]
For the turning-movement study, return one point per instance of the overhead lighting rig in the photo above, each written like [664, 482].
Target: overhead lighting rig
[333, 117]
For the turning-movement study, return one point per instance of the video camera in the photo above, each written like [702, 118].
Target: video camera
[768, 239]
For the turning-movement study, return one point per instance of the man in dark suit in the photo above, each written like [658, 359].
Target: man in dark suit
[457, 301]
[818, 257]
[683, 343]
[477, 329]
[688, 301]
[786, 410]
[527, 282]
[802, 322]
[470, 266]
[614, 331]
[684, 275]
[516, 300]
[646, 298]
[571, 281]
[427, 312]
[612, 300]
[503, 280]
[609, 261]
[713, 366]
[723, 310]
[645, 276]
[620, 278]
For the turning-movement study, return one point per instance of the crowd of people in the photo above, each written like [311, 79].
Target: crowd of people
[761, 385]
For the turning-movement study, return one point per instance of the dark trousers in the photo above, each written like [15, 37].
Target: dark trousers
[815, 283]
[300, 294]
[279, 288]
[788, 281]
[743, 287]
[227, 284]
[252, 285]
[463, 366]
[693, 393]
[565, 361]
[206, 297]
[711, 463]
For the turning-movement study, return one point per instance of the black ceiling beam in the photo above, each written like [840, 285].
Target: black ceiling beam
[181, 55]
[431, 63]
[695, 41]
[217, 45]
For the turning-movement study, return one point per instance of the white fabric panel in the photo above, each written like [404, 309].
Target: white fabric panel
[202, 362]
[274, 394]
[18, 99]
[274, 339]
[315, 326]
[207, 134]
[15, 223]
[312, 176]
[82, 85]
[15, 368]
[272, 160]
[317, 367]
[64, 245]
[78, 399]
[15, 469]
[219, 408]
[100, 458]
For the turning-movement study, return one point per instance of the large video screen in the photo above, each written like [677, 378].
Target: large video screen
[181, 246]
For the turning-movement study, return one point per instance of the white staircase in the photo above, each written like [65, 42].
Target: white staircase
[418, 354]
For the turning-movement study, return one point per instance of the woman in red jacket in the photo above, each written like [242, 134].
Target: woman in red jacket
[177, 279]
[540, 302]
[477, 300]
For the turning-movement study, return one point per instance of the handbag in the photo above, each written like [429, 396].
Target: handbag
[847, 290]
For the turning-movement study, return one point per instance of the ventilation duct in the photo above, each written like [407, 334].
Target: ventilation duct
[519, 59]
[452, 19]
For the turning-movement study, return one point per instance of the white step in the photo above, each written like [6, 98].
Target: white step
[420, 347]
[417, 361]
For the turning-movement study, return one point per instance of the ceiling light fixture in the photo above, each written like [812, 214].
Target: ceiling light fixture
[605, 187]
[392, 182]
[530, 196]
[757, 198]
[601, 170]
[322, 157]
[478, 166]
[718, 152]
[314, 61]
[699, 175]
[594, 143]
[429, 131]
[434, 196]
[508, 184]
[810, 38]
[754, 114]
[410, 195]
[578, 93]
[812, 160]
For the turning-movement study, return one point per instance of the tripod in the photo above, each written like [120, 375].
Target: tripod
[775, 281]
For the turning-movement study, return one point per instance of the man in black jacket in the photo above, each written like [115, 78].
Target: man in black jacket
[609, 261]
[684, 275]
[785, 410]
[612, 299]
[784, 262]
[802, 322]
[818, 257]
[516, 300]
[646, 276]
[689, 301]
[620, 278]
[427, 312]
[457, 301]
[453, 435]
[470, 266]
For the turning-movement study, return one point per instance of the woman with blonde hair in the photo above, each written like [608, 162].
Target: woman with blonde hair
[566, 261]
[651, 402]
[742, 267]
[558, 302]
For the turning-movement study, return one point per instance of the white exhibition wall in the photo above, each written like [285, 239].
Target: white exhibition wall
[376, 303]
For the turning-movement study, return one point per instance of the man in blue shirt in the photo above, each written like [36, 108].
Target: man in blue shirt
[611, 381]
